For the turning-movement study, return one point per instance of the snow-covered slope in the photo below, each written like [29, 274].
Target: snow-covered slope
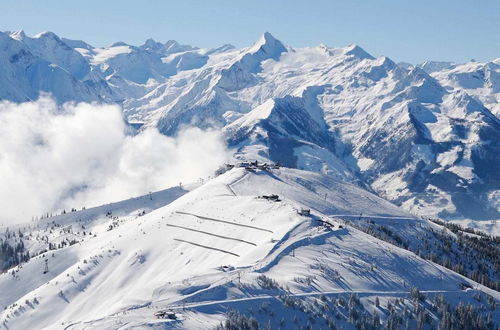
[221, 247]
[424, 137]
[481, 80]
[353, 133]
[44, 63]
[72, 70]
[408, 137]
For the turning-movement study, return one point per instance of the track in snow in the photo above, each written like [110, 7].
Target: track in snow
[224, 221]
[212, 234]
[306, 294]
[206, 247]
[370, 216]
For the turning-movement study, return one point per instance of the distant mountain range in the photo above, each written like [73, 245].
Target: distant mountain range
[426, 137]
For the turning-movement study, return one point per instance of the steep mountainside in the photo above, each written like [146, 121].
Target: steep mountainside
[481, 80]
[45, 63]
[418, 144]
[424, 137]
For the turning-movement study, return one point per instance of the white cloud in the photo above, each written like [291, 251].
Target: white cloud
[54, 157]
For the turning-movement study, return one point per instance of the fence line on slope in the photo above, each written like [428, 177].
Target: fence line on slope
[212, 234]
[224, 221]
[205, 246]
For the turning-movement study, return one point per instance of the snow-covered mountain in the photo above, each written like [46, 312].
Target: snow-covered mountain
[194, 256]
[425, 137]
[480, 80]
[45, 63]
[415, 142]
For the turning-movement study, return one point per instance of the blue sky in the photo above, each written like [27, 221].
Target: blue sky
[404, 30]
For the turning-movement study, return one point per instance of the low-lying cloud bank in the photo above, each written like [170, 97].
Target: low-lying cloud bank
[54, 157]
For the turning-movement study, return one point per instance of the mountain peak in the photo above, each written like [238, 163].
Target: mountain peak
[18, 35]
[268, 44]
[47, 34]
[357, 51]
[221, 49]
[169, 47]
[433, 66]
[152, 45]
[119, 43]
[267, 37]
[150, 42]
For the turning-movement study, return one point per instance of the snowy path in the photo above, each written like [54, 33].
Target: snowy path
[308, 294]
[369, 216]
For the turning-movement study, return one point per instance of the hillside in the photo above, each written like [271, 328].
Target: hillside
[220, 251]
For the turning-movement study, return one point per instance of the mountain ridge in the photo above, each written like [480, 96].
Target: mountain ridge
[425, 136]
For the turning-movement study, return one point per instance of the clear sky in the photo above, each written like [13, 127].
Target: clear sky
[404, 30]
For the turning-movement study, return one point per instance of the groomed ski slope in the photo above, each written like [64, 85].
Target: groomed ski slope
[203, 253]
